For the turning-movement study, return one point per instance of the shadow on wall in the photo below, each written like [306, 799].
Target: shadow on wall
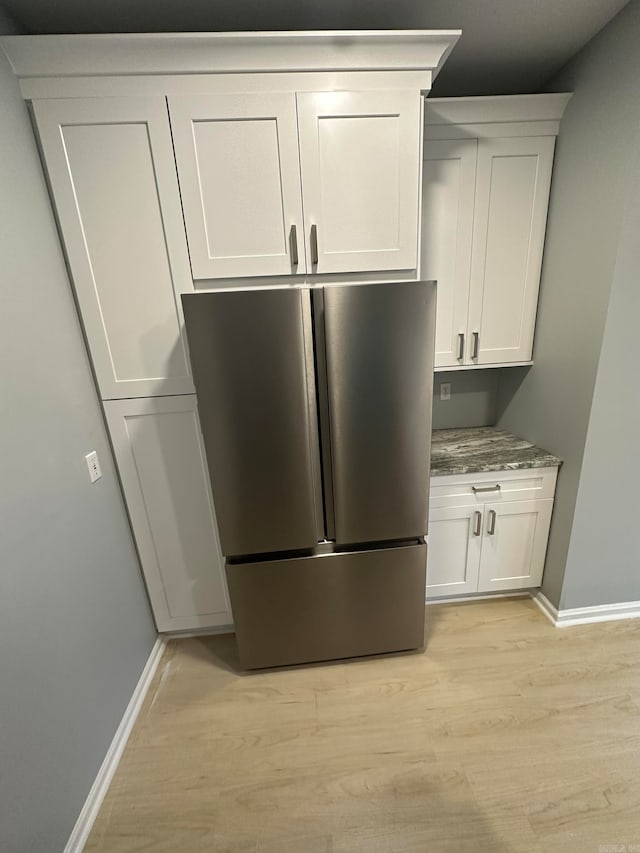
[509, 381]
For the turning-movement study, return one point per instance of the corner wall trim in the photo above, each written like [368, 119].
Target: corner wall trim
[91, 807]
[198, 632]
[586, 615]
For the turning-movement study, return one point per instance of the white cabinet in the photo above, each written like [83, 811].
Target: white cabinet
[454, 551]
[448, 187]
[489, 532]
[360, 162]
[486, 181]
[162, 466]
[249, 164]
[512, 194]
[238, 165]
[112, 173]
[172, 158]
[514, 544]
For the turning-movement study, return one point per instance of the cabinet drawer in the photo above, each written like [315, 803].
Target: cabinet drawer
[523, 485]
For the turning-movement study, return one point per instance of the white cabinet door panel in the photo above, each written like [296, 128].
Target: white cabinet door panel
[514, 544]
[512, 193]
[160, 457]
[449, 178]
[239, 172]
[454, 551]
[112, 172]
[359, 154]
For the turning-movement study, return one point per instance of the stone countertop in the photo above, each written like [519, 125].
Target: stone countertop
[477, 449]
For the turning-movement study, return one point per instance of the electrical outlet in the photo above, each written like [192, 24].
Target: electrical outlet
[93, 464]
[445, 390]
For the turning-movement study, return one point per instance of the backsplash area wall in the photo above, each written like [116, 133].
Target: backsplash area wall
[473, 398]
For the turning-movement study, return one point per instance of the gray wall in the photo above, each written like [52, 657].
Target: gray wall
[75, 626]
[473, 399]
[552, 402]
[603, 564]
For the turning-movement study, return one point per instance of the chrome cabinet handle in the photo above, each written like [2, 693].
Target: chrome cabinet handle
[314, 245]
[477, 489]
[477, 522]
[476, 344]
[460, 346]
[293, 245]
[492, 522]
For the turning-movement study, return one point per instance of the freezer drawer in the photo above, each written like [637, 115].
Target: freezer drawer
[328, 606]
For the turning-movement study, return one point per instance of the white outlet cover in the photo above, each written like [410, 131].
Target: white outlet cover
[93, 464]
[445, 390]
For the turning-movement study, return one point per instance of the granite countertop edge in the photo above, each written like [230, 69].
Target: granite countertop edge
[478, 450]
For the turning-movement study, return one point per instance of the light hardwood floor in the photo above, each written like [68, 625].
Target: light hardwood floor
[506, 734]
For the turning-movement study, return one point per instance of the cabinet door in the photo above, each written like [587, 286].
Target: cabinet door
[112, 172]
[237, 157]
[448, 191]
[360, 159]
[512, 194]
[160, 457]
[453, 557]
[514, 544]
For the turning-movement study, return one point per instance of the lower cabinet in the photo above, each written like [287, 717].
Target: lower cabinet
[161, 461]
[454, 551]
[489, 533]
[514, 544]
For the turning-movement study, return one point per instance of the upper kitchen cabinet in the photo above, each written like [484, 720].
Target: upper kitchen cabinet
[360, 162]
[277, 153]
[238, 165]
[449, 186]
[112, 175]
[248, 165]
[486, 180]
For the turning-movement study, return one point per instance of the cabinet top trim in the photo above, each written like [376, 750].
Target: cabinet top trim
[224, 53]
[496, 108]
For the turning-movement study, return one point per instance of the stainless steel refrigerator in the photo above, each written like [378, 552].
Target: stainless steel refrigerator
[315, 408]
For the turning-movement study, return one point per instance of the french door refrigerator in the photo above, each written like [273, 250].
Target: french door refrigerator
[315, 408]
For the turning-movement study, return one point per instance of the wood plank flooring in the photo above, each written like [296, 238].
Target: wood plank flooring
[505, 735]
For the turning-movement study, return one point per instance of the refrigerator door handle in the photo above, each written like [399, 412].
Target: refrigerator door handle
[312, 402]
[317, 296]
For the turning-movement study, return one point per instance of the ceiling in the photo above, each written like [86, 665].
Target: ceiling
[507, 46]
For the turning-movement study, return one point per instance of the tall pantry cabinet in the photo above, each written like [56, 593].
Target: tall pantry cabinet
[113, 180]
[178, 163]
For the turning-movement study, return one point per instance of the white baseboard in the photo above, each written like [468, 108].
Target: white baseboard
[91, 807]
[549, 610]
[586, 615]
[198, 632]
[458, 599]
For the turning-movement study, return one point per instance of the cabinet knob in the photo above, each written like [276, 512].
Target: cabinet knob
[492, 522]
[460, 346]
[477, 489]
[477, 522]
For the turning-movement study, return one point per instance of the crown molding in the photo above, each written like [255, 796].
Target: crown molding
[496, 108]
[228, 53]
